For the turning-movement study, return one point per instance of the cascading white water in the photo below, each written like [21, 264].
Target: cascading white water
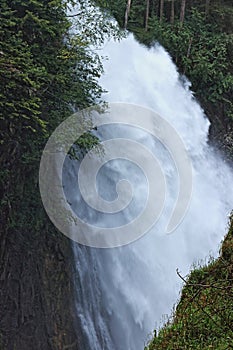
[123, 293]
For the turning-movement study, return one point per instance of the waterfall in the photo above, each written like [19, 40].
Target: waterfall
[123, 293]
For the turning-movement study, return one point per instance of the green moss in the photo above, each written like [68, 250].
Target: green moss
[204, 316]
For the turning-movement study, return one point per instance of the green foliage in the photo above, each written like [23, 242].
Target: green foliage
[85, 142]
[201, 52]
[113, 8]
[203, 318]
[48, 71]
[201, 47]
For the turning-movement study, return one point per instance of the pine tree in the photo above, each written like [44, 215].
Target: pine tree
[46, 71]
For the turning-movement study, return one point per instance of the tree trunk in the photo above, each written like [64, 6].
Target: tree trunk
[207, 8]
[127, 13]
[147, 14]
[189, 47]
[182, 11]
[161, 10]
[172, 11]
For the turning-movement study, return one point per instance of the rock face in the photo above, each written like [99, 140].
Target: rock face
[36, 291]
[221, 129]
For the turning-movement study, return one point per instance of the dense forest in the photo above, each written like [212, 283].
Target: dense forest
[48, 71]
